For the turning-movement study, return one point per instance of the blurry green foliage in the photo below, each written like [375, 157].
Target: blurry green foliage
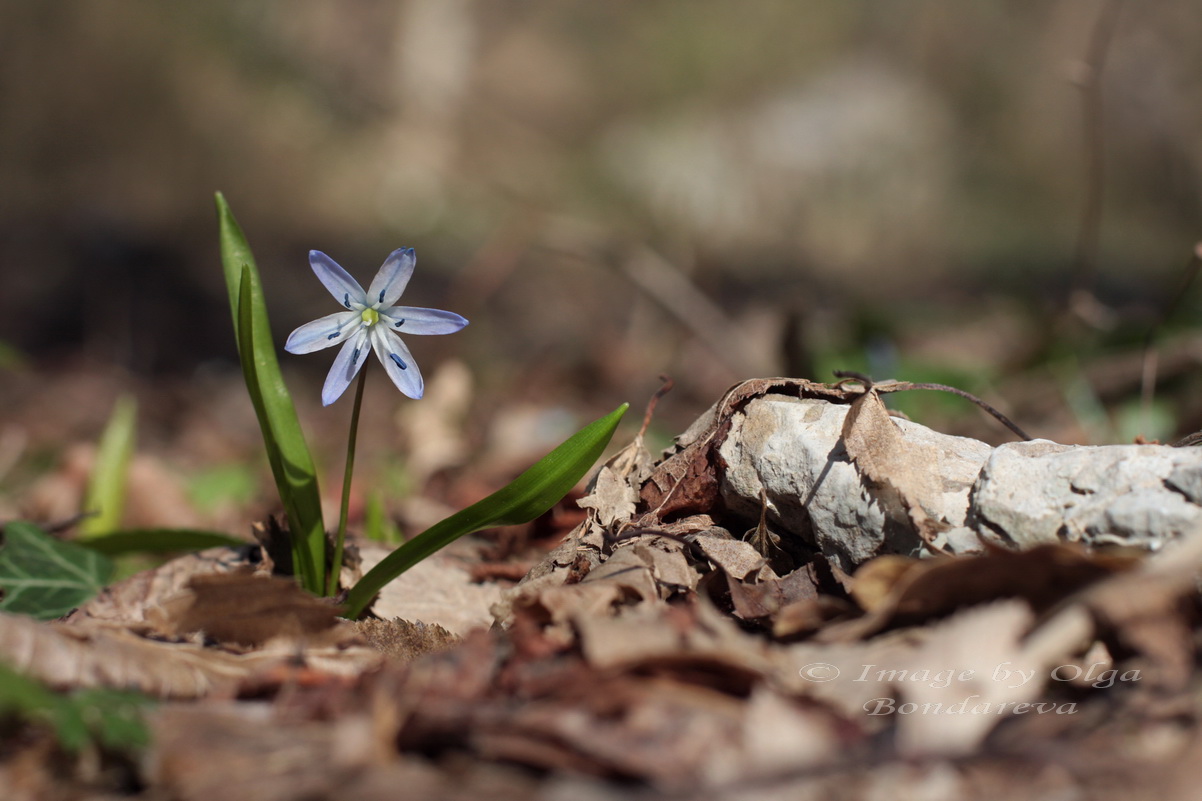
[104, 500]
[46, 578]
[108, 718]
[234, 484]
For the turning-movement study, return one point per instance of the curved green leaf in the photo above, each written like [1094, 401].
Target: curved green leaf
[528, 496]
[104, 500]
[159, 540]
[46, 578]
[287, 452]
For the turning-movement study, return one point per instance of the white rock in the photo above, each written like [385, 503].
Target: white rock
[1024, 493]
[791, 448]
[1037, 492]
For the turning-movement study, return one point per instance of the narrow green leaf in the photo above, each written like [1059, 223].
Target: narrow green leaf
[111, 717]
[287, 452]
[528, 496]
[46, 578]
[159, 540]
[105, 496]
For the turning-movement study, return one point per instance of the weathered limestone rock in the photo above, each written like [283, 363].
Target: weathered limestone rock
[1019, 494]
[1036, 492]
[791, 448]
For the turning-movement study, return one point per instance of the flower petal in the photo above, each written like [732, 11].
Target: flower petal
[398, 362]
[324, 332]
[392, 278]
[344, 288]
[346, 367]
[416, 320]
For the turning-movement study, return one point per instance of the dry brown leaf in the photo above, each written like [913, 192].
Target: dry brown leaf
[92, 655]
[736, 558]
[246, 609]
[130, 600]
[403, 640]
[437, 590]
[929, 589]
[903, 476]
[668, 564]
[239, 753]
[628, 569]
[970, 674]
[765, 598]
[873, 583]
[1151, 610]
[615, 491]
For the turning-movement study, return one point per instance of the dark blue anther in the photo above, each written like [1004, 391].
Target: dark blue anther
[399, 323]
[355, 357]
[334, 335]
[381, 300]
[346, 299]
[398, 361]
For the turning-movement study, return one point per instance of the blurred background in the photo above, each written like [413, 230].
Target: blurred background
[1003, 196]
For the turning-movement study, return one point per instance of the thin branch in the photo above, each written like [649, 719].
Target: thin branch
[902, 386]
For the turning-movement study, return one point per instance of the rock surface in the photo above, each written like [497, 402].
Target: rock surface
[1036, 492]
[791, 448]
[788, 452]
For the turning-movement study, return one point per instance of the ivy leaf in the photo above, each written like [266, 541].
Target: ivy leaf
[46, 578]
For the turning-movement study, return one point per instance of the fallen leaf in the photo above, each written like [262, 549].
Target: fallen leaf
[903, 476]
[403, 640]
[246, 609]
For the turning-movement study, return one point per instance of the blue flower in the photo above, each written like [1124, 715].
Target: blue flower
[370, 317]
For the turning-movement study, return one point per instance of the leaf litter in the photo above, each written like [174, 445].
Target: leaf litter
[670, 646]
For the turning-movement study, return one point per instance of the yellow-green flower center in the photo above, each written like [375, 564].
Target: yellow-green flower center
[370, 317]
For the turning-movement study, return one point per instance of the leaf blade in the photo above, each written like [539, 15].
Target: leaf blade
[159, 540]
[287, 452]
[45, 578]
[525, 498]
[105, 495]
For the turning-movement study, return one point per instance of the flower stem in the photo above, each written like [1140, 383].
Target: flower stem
[336, 567]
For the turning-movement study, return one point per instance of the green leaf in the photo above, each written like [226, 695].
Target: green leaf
[291, 463]
[105, 496]
[376, 524]
[528, 496]
[46, 578]
[113, 718]
[159, 540]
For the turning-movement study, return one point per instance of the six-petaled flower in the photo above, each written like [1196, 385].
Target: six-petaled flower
[370, 317]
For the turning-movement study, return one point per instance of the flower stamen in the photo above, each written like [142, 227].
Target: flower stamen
[398, 361]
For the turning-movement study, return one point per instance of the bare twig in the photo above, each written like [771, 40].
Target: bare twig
[902, 386]
[664, 389]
